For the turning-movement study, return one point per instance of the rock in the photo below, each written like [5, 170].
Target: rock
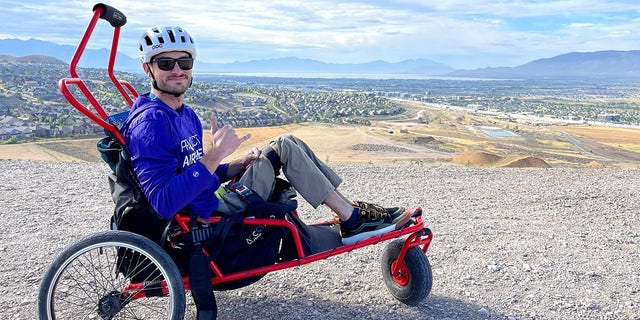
[483, 312]
[494, 268]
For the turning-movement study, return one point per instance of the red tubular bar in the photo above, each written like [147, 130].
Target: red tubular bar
[98, 118]
[118, 83]
[98, 115]
[137, 290]
[83, 43]
[183, 222]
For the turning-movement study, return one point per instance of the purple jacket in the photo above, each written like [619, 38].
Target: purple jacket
[165, 146]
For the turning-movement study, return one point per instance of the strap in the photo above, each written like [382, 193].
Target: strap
[200, 282]
[215, 236]
[220, 232]
[273, 157]
[199, 272]
[258, 207]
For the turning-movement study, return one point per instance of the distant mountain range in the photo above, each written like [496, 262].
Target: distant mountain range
[90, 58]
[297, 65]
[31, 59]
[612, 64]
[100, 58]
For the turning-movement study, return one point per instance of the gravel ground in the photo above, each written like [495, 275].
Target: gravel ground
[554, 243]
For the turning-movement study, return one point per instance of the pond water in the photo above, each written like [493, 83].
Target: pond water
[498, 132]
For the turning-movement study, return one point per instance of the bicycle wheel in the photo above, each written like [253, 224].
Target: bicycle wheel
[112, 275]
[412, 283]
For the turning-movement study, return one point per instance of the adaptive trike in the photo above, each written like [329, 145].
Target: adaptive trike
[119, 274]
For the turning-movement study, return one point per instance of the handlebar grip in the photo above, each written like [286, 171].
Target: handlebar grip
[111, 14]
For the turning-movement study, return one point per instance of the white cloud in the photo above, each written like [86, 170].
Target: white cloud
[458, 32]
[581, 25]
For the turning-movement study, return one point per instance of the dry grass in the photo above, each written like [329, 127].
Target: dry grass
[331, 143]
[27, 151]
[259, 136]
[617, 137]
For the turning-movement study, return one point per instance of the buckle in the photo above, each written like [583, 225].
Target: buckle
[241, 189]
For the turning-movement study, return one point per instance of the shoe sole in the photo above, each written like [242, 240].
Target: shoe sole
[400, 222]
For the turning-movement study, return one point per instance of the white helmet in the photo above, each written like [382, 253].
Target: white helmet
[161, 39]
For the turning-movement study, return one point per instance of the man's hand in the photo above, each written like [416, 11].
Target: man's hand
[224, 142]
[251, 157]
[236, 167]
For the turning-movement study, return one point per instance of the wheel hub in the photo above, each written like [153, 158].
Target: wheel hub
[109, 305]
[401, 277]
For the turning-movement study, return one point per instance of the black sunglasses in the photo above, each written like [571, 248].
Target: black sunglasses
[167, 64]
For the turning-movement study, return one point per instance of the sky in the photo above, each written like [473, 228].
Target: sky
[464, 34]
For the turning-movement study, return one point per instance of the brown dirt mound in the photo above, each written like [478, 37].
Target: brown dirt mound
[477, 159]
[426, 140]
[526, 162]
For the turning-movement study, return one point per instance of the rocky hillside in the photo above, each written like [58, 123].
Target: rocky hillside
[30, 59]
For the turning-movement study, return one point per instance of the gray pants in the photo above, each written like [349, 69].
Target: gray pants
[308, 175]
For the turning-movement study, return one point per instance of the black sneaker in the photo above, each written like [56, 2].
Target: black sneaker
[374, 220]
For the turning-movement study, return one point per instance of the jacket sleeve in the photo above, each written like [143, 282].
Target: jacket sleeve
[221, 172]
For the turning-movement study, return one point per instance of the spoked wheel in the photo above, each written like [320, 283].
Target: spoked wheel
[112, 275]
[412, 283]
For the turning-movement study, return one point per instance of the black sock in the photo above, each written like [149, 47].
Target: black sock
[353, 220]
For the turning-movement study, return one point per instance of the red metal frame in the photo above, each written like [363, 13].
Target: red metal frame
[418, 234]
[414, 230]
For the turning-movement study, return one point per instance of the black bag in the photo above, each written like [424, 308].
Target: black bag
[314, 238]
[238, 246]
[132, 210]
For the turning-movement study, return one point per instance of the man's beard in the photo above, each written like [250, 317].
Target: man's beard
[176, 90]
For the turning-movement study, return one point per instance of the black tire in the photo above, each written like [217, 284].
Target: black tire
[86, 280]
[413, 283]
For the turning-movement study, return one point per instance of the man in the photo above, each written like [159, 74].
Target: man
[164, 138]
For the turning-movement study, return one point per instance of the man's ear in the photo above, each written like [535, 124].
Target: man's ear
[145, 67]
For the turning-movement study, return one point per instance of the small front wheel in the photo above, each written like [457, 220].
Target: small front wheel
[412, 283]
[112, 275]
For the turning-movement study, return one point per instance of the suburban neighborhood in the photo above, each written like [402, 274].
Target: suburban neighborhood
[32, 107]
